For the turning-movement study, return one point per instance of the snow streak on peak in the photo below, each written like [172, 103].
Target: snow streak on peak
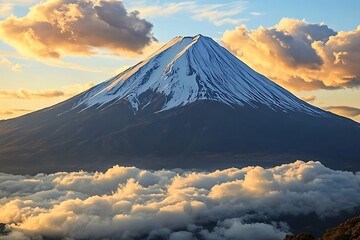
[188, 69]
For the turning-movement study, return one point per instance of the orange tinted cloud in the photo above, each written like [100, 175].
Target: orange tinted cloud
[28, 94]
[68, 91]
[344, 110]
[12, 112]
[5, 9]
[8, 112]
[7, 63]
[309, 98]
[77, 27]
[298, 55]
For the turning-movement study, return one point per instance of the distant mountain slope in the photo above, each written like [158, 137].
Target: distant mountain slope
[191, 104]
[349, 230]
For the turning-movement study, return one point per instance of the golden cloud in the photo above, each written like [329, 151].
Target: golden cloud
[344, 110]
[78, 27]
[7, 112]
[68, 91]
[7, 63]
[310, 98]
[28, 94]
[298, 55]
[12, 112]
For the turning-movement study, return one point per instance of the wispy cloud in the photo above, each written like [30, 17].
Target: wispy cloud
[344, 110]
[309, 99]
[256, 13]
[7, 6]
[121, 69]
[220, 14]
[132, 203]
[5, 9]
[21, 2]
[5, 62]
[59, 63]
[298, 55]
[27, 94]
[12, 111]
[217, 14]
[74, 66]
[67, 91]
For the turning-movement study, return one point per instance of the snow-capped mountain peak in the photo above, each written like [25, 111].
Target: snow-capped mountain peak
[189, 69]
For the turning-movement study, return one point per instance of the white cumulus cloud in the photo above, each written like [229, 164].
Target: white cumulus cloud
[131, 203]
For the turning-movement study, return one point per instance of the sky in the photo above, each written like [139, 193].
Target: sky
[51, 50]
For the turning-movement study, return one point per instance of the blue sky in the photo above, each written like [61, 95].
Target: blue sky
[339, 15]
[37, 76]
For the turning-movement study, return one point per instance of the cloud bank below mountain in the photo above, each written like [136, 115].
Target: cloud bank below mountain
[127, 202]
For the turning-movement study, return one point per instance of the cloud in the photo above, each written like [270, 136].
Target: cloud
[75, 27]
[220, 14]
[237, 229]
[68, 91]
[7, 63]
[256, 14]
[344, 110]
[310, 98]
[298, 55]
[217, 14]
[20, 2]
[131, 203]
[121, 69]
[17, 68]
[28, 94]
[74, 89]
[12, 111]
[7, 6]
[9, 113]
[5, 9]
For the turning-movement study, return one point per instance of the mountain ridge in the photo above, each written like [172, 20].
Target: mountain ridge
[189, 69]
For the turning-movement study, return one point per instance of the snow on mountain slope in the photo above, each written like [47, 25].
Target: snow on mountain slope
[188, 69]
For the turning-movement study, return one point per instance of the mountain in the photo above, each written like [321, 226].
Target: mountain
[189, 69]
[348, 230]
[191, 104]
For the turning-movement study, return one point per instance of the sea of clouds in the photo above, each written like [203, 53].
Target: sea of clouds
[131, 203]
